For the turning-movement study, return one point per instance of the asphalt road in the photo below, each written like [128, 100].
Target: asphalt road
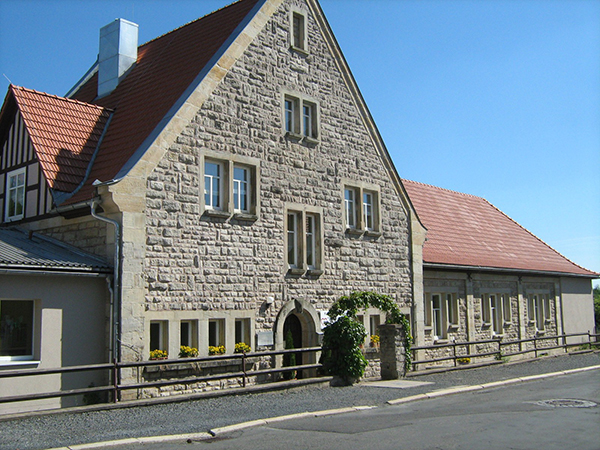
[67, 429]
[551, 414]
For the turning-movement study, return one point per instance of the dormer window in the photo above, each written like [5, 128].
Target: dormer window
[15, 195]
[298, 31]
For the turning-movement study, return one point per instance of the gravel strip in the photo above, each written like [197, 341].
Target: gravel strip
[42, 432]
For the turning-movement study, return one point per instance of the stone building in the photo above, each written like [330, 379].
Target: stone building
[486, 277]
[231, 172]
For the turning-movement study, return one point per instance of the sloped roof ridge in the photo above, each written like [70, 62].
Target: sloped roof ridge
[189, 23]
[57, 97]
[534, 236]
[444, 189]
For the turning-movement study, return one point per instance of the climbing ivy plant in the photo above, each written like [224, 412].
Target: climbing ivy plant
[341, 355]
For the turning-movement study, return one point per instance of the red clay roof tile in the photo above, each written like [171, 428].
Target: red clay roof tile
[466, 230]
[63, 132]
[165, 68]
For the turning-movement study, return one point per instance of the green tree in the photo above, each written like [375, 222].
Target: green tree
[341, 355]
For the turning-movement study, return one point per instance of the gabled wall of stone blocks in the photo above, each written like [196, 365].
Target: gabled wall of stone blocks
[198, 262]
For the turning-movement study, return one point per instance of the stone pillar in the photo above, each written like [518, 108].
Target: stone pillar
[392, 351]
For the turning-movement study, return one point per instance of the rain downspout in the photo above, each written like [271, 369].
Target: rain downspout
[116, 291]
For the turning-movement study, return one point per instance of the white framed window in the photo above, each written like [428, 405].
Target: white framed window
[361, 208]
[303, 230]
[300, 118]
[374, 322]
[242, 331]
[15, 195]
[350, 207]
[311, 241]
[241, 189]
[188, 335]
[368, 218]
[159, 336]
[293, 244]
[231, 186]
[441, 313]
[453, 312]
[547, 309]
[298, 35]
[506, 309]
[437, 317]
[291, 119]
[539, 311]
[216, 332]
[213, 185]
[496, 312]
[16, 330]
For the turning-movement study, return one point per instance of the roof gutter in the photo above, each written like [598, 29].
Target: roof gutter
[455, 267]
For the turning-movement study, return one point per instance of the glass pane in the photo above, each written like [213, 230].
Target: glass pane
[16, 328]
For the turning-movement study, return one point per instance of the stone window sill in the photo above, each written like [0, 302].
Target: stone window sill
[373, 233]
[247, 217]
[217, 213]
[299, 50]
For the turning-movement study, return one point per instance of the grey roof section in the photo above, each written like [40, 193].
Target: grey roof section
[21, 250]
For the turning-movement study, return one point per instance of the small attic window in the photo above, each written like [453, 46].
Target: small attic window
[298, 31]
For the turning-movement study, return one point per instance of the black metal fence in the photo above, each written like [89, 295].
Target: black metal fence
[462, 352]
[114, 371]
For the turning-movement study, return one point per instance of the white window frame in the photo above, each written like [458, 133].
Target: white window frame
[300, 117]
[368, 211]
[221, 183]
[243, 331]
[31, 333]
[162, 326]
[303, 239]
[374, 322]
[452, 307]
[496, 312]
[219, 332]
[238, 184]
[20, 191]
[191, 335]
[293, 244]
[537, 304]
[350, 207]
[310, 233]
[231, 185]
[438, 322]
[361, 208]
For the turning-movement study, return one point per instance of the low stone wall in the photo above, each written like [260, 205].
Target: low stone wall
[187, 371]
[373, 369]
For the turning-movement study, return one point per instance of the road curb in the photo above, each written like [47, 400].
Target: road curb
[190, 437]
[494, 384]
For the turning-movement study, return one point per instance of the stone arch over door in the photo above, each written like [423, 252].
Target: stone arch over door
[307, 317]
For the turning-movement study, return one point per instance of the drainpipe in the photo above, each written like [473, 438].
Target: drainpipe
[116, 291]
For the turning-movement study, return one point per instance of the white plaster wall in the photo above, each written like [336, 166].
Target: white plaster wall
[70, 329]
[577, 306]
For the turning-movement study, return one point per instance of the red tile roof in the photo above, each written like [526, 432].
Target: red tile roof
[64, 134]
[166, 67]
[464, 230]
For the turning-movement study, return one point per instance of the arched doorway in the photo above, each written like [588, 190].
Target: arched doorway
[302, 320]
[293, 327]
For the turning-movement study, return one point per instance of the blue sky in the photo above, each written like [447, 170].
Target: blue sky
[495, 98]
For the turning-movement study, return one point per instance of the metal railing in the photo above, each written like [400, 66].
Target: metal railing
[115, 387]
[463, 350]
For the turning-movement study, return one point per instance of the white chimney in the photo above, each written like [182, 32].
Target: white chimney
[118, 52]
